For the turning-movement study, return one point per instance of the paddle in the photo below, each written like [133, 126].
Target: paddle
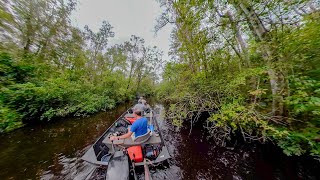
[134, 169]
[147, 175]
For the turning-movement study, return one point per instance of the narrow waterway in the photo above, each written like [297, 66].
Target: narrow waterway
[53, 151]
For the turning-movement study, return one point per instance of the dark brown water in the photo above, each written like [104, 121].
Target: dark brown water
[53, 151]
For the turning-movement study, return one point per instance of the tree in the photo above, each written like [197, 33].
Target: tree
[50, 69]
[230, 57]
[116, 58]
[133, 48]
[97, 42]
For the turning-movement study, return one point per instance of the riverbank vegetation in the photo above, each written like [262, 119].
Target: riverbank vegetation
[253, 65]
[50, 69]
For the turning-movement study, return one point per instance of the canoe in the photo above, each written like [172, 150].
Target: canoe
[154, 150]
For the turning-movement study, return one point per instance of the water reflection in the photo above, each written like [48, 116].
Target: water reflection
[68, 168]
[53, 151]
[196, 157]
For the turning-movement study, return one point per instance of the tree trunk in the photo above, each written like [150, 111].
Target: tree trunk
[240, 40]
[130, 74]
[260, 32]
[29, 33]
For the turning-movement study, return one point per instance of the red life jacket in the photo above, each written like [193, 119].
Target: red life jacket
[131, 119]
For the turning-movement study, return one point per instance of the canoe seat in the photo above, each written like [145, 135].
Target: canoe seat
[143, 138]
[137, 140]
[152, 139]
[130, 141]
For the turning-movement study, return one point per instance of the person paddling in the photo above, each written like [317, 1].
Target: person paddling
[138, 128]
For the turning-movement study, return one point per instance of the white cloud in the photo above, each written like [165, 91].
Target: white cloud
[128, 17]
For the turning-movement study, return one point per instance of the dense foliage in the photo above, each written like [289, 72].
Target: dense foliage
[253, 65]
[50, 69]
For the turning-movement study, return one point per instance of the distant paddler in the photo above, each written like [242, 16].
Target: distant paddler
[141, 99]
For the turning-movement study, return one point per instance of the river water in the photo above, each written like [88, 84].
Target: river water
[53, 151]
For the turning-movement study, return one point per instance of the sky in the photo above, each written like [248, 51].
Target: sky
[128, 17]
